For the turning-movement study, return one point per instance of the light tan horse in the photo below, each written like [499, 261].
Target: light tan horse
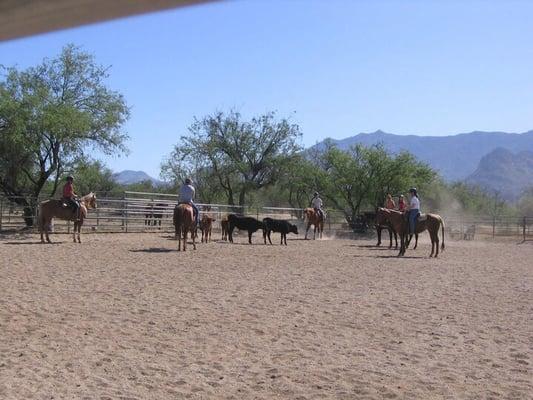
[432, 223]
[313, 218]
[52, 208]
[183, 223]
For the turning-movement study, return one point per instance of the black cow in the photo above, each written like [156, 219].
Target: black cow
[244, 224]
[154, 214]
[278, 225]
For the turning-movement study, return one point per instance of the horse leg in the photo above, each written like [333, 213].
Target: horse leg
[230, 233]
[437, 243]
[378, 231]
[416, 241]
[432, 244]
[194, 240]
[47, 231]
[314, 233]
[402, 245]
[396, 240]
[307, 230]
[390, 238]
[41, 228]
[178, 235]
[250, 237]
[408, 240]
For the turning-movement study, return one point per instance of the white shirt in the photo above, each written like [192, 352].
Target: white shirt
[414, 204]
[316, 202]
[186, 194]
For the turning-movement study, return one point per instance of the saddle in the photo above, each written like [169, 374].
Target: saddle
[66, 203]
[419, 218]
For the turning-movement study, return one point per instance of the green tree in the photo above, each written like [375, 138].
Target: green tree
[93, 176]
[49, 115]
[525, 203]
[243, 156]
[362, 176]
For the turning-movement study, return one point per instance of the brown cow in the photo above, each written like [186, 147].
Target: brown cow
[225, 228]
[206, 225]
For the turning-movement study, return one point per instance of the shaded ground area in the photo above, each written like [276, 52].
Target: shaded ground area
[127, 316]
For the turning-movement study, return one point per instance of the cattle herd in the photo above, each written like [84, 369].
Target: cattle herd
[248, 224]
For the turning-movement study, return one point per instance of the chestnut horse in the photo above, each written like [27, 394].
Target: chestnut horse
[184, 223]
[313, 218]
[397, 219]
[52, 208]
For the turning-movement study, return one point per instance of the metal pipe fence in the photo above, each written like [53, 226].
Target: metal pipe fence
[152, 212]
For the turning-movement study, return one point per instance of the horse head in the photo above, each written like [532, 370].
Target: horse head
[89, 200]
[382, 215]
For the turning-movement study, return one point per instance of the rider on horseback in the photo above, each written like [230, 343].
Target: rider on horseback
[401, 203]
[414, 209]
[69, 197]
[186, 196]
[316, 203]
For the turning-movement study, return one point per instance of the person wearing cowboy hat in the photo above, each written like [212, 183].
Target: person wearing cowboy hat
[186, 196]
[316, 203]
[69, 197]
[414, 209]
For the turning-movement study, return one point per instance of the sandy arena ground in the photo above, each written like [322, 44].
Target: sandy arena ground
[125, 316]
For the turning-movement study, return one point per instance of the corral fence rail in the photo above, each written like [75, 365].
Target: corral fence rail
[152, 212]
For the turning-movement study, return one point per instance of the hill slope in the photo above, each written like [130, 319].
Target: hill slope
[455, 156]
[128, 177]
[505, 172]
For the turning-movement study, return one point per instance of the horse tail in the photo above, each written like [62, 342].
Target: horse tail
[442, 225]
[176, 216]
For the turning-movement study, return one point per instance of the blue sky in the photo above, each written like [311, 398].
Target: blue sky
[337, 68]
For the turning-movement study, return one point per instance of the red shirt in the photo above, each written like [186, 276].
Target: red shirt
[68, 190]
[401, 205]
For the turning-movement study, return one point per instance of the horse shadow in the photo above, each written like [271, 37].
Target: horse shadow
[408, 257]
[32, 243]
[371, 247]
[152, 250]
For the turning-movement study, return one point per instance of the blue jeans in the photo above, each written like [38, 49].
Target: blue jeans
[412, 219]
[196, 212]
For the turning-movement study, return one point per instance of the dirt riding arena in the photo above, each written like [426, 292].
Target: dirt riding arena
[125, 316]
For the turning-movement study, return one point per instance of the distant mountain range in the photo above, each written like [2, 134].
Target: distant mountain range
[495, 161]
[128, 177]
[504, 171]
[456, 157]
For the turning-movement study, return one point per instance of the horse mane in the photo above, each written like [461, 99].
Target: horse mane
[88, 196]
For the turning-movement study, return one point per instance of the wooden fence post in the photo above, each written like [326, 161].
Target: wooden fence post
[1, 212]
